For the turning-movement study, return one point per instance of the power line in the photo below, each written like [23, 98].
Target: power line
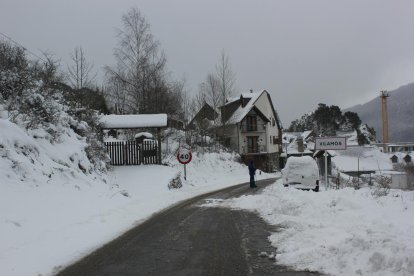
[20, 45]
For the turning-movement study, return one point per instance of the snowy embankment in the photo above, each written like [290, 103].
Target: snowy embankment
[338, 232]
[54, 210]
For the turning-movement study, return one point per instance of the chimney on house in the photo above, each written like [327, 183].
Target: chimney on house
[243, 104]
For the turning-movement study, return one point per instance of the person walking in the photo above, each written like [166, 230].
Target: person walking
[252, 172]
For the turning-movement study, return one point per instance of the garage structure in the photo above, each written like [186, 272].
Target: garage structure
[134, 152]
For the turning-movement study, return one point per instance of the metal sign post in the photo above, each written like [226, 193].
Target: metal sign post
[326, 169]
[329, 143]
[185, 172]
[184, 156]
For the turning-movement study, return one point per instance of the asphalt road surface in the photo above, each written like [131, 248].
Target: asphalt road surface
[190, 240]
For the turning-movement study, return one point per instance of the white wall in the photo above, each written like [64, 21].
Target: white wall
[264, 105]
[399, 181]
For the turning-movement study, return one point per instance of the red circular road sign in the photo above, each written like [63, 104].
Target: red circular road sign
[184, 156]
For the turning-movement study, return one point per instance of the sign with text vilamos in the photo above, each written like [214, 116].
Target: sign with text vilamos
[330, 143]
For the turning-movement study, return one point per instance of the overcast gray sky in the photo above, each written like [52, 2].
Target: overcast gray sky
[302, 52]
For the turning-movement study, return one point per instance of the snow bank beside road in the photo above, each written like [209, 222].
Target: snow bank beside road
[54, 211]
[338, 232]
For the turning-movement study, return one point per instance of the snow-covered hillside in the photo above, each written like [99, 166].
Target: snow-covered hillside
[54, 208]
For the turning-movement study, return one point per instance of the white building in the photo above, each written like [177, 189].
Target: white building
[251, 127]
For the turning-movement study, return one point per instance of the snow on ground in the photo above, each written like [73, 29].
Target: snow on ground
[53, 212]
[361, 158]
[337, 232]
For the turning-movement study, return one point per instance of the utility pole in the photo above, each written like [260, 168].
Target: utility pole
[385, 135]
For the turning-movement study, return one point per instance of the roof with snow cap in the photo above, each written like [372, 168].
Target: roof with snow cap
[133, 121]
[241, 111]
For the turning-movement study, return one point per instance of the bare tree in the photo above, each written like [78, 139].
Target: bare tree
[79, 72]
[50, 72]
[115, 95]
[180, 93]
[187, 106]
[199, 99]
[226, 77]
[213, 92]
[140, 64]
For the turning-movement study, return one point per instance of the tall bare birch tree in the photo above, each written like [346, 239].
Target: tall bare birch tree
[226, 77]
[79, 71]
[140, 64]
[213, 92]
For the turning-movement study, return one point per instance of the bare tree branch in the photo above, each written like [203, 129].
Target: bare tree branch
[79, 71]
[226, 77]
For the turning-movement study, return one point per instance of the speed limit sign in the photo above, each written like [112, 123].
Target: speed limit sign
[184, 156]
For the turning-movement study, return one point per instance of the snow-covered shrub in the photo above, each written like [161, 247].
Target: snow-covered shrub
[41, 109]
[96, 149]
[35, 100]
[175, 183]
[381, 186]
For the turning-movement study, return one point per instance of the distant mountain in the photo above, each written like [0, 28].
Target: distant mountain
[400, 114]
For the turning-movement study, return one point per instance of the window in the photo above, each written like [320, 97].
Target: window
[251, 123]
[252, 146]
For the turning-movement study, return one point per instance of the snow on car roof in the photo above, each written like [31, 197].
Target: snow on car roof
[303, 165]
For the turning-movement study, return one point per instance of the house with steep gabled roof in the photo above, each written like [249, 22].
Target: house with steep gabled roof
[251, 127]
[205, 118]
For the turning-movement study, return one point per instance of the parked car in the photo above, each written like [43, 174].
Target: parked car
[302, 173]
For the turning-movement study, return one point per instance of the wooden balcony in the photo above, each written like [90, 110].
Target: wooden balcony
[254, 150]
[252, 128]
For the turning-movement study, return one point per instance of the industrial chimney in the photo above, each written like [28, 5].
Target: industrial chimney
[385, 134]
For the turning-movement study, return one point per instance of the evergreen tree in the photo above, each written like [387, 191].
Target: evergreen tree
[327, 120]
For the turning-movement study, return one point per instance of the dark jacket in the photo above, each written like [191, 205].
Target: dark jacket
[252, 168]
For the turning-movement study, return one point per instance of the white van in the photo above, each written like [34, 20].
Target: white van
[302, 173]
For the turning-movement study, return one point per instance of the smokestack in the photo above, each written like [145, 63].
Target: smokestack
[385, 134]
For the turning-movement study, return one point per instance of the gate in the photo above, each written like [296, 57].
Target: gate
[132, 153]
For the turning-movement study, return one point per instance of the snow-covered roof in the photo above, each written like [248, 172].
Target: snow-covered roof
[144, 134]
[289, 140]
[306, 133]
[133, 121]
[370, 158]
[290, 136]
[241, 111]
[351, 137]
[400, 156]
